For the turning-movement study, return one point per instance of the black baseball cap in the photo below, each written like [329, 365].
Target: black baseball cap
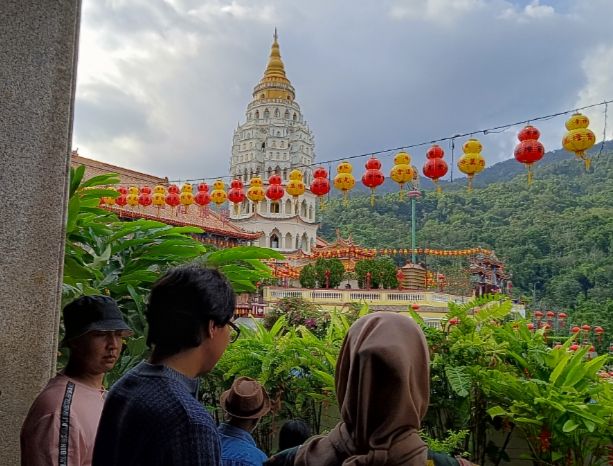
[92, 313]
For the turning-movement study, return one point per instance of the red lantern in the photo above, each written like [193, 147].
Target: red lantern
[530, 326]
[586, 328]
[172, 198]
[575, 329]
[550, 314]
[275, 191]
[122, 199]
[599, 331]
[236, 194]
[574, 347]
[529, 150]
[373, 177]
[415, 306]
[454, 321]
[144, 198]
[320, 186]
[562, 315]
[538, 315]
[203, 198]
[435, 167]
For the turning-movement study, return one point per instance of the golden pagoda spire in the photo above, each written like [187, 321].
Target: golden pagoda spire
[275, 68]
[274, 84]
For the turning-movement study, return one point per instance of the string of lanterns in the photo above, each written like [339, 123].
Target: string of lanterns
[578, 139]
[370, 252]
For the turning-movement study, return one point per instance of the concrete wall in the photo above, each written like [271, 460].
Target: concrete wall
[38, 44]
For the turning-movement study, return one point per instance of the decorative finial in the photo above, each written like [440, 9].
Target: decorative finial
[276, 36]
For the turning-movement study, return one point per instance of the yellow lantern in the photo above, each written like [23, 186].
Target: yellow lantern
[256, 193]
[110, 200]
[132, 197]
[579, 138]
[218, 195]
[402, 171]
[344, 180]
[187, 196]
[295, 186]
[471, 162]
[158, 197]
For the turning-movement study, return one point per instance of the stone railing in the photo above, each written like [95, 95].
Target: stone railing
[340, 297]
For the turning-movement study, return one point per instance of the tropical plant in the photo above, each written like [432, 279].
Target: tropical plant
[105, 255]
[382, 272]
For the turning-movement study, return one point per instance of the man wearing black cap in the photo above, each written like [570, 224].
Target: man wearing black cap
[60, 428]
[244, 404]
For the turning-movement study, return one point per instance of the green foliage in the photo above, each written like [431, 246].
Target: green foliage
[336, 269]
[449, 445]
[295, 366]
[104, 255]
[555, 236]
[308, 276]
[490, 364]
[382, 271]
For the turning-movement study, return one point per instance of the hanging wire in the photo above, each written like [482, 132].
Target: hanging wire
[452, 158]
[494, 129]
[604, 131]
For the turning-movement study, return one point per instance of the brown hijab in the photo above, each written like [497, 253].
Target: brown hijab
[382, 386]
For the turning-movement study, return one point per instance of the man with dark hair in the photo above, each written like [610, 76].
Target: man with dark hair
[244, 404]
[152, 415]
[60, 428]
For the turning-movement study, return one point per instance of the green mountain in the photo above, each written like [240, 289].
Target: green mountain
[555, 236]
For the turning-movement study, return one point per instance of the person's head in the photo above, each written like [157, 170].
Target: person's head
[190, 307]
[293, 433]
[244, 403]
[94, 329]
[382, 378]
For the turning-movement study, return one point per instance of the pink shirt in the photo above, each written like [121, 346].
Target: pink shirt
[80, 405]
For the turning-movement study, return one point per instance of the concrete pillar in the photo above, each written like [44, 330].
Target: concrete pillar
[38, 54]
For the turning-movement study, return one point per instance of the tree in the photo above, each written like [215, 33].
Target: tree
[308, 276]
[336, 269]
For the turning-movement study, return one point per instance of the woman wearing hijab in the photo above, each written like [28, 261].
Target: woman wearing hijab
[382, 387]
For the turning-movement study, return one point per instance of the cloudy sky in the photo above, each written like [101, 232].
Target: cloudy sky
[162, 84]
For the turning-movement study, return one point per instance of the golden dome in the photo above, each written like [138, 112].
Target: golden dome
[274, 84]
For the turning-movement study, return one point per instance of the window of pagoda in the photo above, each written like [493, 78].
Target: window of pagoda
[294, 117]
[274, 207]
[274, 241]
[288, 241]
[287, 114]
[303, 208]
[304, 244]
[257, 114]
[277, 114]
[266, 114]
[288, 207]
[285, 173]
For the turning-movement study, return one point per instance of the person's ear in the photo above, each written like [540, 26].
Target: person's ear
[211, 330]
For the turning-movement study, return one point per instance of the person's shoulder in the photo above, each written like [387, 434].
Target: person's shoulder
[50, 398]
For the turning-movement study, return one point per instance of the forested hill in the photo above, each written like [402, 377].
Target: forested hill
[555, 236]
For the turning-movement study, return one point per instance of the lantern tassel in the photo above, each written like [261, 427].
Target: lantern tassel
[530, 174]
[401, 193]
[439, 189]
[372, 197]
[470, 183]
[322, 204]
[345, 199]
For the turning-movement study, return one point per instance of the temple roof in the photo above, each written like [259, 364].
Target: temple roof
[213, 222]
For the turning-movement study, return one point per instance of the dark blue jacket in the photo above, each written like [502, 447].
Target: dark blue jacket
[151, 417]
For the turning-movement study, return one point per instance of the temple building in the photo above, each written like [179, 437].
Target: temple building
[276, 139]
